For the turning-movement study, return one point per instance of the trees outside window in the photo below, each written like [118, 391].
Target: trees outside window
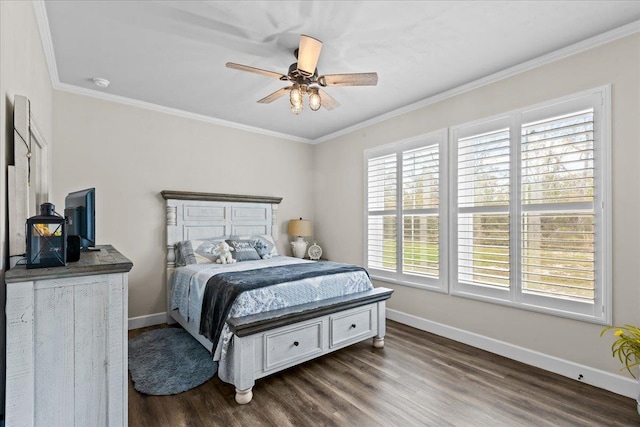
[514, 209]
[406, 213]
[530, 208]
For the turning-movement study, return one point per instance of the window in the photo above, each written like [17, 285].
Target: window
[483, 209]
[406, 211]
[515, 210]
[530, 222]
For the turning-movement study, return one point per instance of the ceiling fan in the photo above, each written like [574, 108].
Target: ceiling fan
[304, 78]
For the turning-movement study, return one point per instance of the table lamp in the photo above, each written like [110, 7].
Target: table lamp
[300, 228]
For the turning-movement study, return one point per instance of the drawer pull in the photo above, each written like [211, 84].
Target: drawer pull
[296, 343]
[353, 326]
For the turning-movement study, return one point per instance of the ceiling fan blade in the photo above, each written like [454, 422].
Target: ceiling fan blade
[327, 101]
[355, 79]
[275, 95]
[256, 70]
[308, 55]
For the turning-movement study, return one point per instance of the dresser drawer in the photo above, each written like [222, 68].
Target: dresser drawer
[352, 326]
[290, 346]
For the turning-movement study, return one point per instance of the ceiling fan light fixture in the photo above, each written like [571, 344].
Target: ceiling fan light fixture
[304, 79]
[308, 54]
[296, 109]
[315, 102]
[295, 96]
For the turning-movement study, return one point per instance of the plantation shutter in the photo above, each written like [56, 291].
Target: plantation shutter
[483, 196]
[558, 210]
[531, 207]
[420, 211]
[382, 212]
[406, 201]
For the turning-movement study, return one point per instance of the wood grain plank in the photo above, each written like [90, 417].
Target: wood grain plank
[19, 409]
[105, 261]
[218, 197]
[417, 379]
[54, 357]
[261, 322]
[90, 302]
[116, 349]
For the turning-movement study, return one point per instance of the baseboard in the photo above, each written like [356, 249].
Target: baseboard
[148, 320]
[615, 383]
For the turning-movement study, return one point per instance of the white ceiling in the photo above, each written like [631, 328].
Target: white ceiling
[172, 54]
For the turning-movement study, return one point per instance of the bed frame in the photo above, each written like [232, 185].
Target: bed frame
[268, 342]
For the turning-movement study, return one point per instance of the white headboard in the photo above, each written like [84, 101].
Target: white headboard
[199, 215]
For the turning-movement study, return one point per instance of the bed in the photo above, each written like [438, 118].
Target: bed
[267, 328]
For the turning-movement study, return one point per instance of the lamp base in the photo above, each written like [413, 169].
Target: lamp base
[299, 247]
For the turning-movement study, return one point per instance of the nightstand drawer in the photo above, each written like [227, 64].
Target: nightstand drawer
[352, 326]
[290, 346]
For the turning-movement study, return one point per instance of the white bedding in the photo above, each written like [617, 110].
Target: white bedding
[190, 282]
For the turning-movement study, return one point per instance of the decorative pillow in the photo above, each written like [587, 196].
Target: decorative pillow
[184, 253]
[243, 250]
[268, 240]
[263, 247]
[202, 251]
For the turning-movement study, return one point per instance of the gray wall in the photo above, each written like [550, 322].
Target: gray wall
[130, 154]
[23, 71]
[340, 212]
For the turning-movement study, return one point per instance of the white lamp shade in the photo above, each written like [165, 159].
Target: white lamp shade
[308, 54]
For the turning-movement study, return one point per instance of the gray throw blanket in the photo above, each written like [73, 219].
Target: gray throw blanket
[222, 289]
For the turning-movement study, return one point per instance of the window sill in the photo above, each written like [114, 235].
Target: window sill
[407, 284]
[557, 312]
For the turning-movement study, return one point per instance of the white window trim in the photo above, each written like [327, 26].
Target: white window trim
[601, 310]
[439, 138]
[462, 131]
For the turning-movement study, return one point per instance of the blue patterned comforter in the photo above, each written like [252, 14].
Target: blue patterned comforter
[190, 283]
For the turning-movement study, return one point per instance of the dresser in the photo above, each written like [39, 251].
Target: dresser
[66, 357]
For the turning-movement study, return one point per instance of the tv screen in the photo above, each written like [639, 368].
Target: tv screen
[80, 211]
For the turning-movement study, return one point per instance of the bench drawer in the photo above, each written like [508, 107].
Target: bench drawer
[352, 326]
[290, 346]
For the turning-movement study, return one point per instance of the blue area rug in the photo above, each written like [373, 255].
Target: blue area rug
[168, 361]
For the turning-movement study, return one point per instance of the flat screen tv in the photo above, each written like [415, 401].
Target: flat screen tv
[80, 211]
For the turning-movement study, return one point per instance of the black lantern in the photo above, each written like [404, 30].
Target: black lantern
[46, 239]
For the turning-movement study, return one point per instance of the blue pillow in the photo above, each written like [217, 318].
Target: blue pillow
[263, 247]
[243, 250]
[267, 238]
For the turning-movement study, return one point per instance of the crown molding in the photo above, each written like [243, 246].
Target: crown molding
[601, 39]
[45, 36]
[565, 52]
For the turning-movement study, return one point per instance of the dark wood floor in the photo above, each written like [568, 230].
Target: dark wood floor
[417, 379]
